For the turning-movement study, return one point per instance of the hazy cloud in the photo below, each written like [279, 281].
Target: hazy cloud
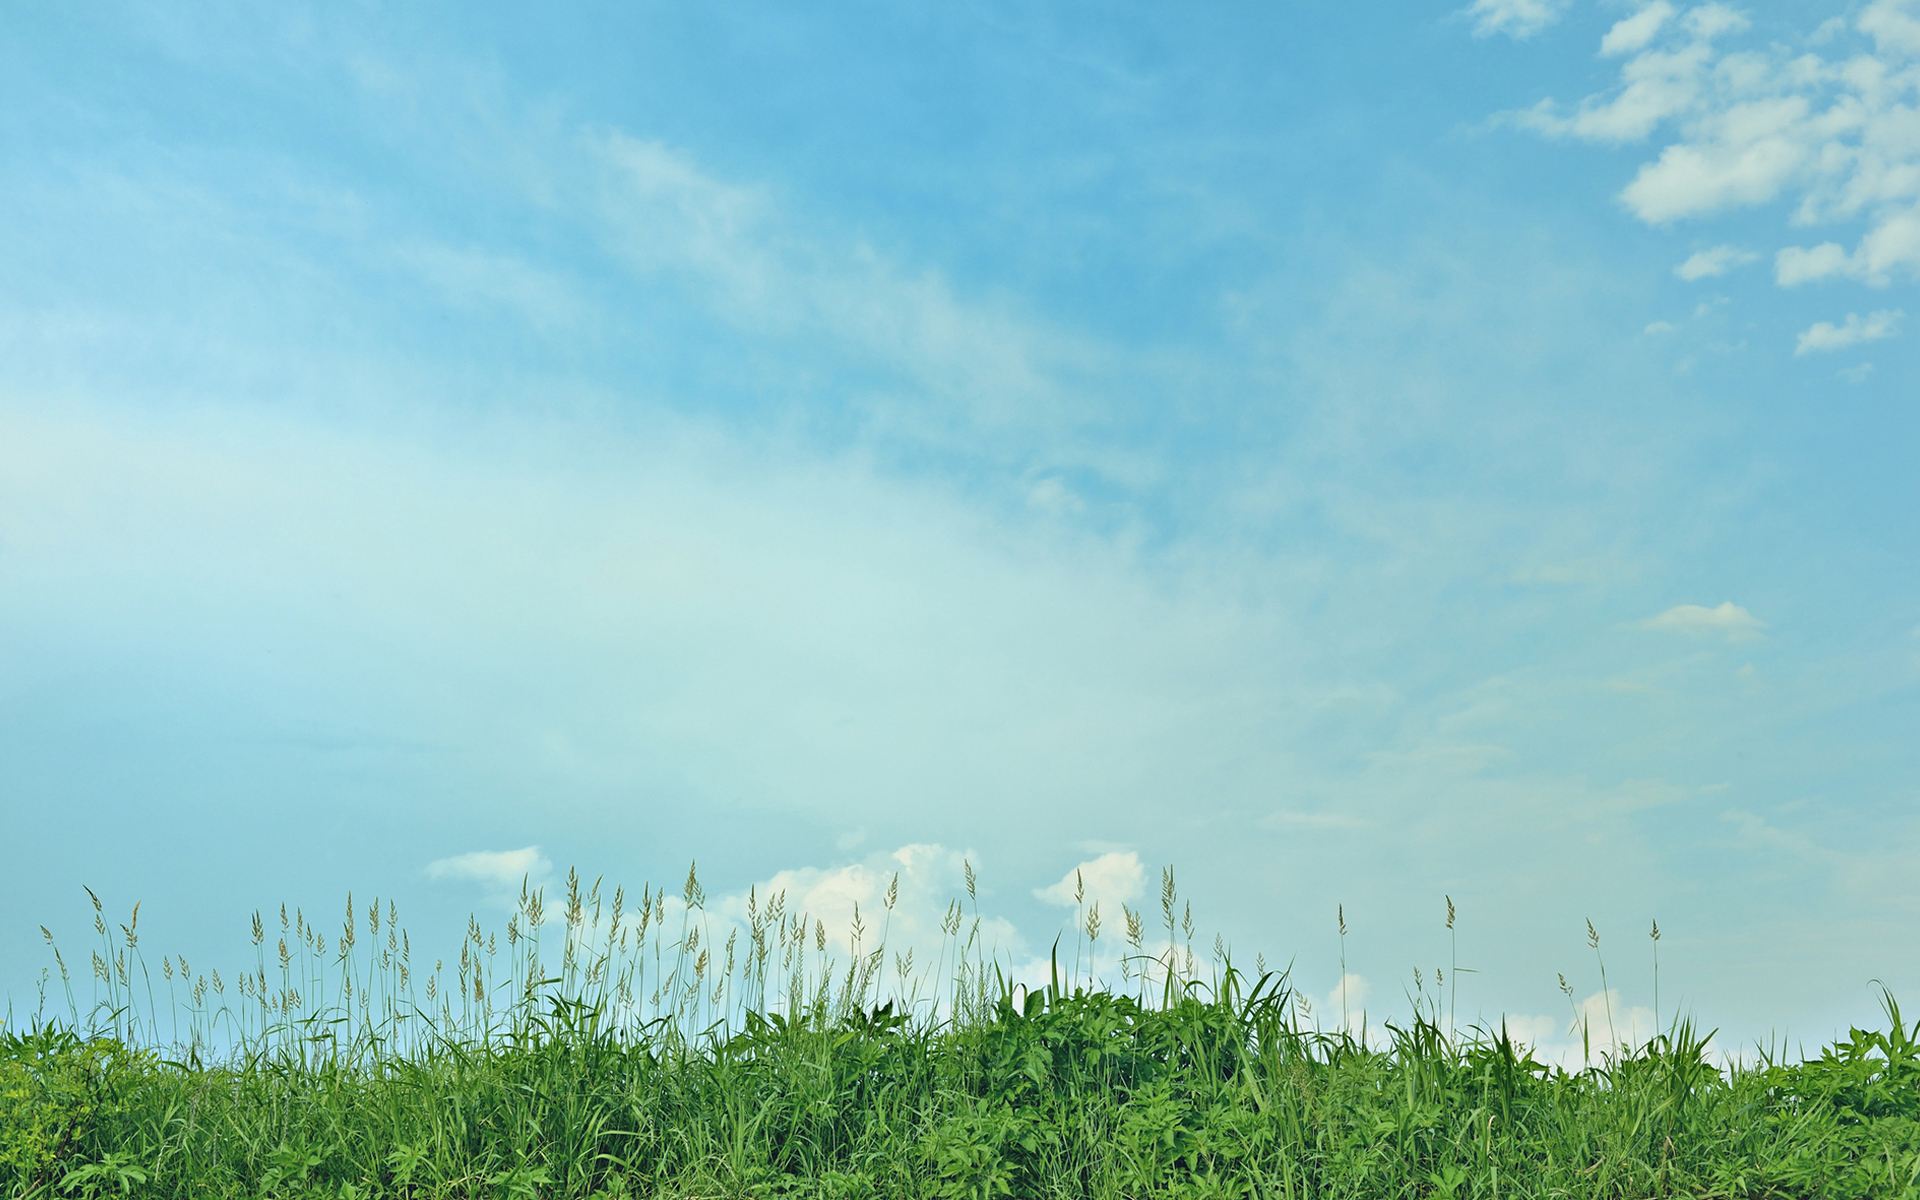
[1713, 262]
[1515, 18]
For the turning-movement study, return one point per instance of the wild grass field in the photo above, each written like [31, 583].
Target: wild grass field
[622, 1047]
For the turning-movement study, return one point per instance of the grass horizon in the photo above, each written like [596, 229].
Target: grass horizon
[610, 1046]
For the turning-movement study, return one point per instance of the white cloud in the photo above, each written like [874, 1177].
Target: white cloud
[1888, 250]
[1633, 33]
[1713, 262]
[1659, 328]
[1713, 20]
[1836, 133]
[1655, 86]
[1824, 336]
[1857, 374]
[1725, 618]
[1514, 18]
[1892, 25]
[501, 872]
[1795, 265]
[1348, 995]
[929, 877]
[1691, 180]
[1112, 879]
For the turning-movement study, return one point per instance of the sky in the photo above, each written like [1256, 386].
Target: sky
[1358, 455]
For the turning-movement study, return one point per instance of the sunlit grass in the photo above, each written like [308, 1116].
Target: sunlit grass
[610, 1045]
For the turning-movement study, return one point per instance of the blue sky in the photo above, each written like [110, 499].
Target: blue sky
[1356, 455]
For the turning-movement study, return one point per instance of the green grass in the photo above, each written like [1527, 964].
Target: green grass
[649, 1061]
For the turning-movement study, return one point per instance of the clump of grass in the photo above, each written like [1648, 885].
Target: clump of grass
[616, 1045]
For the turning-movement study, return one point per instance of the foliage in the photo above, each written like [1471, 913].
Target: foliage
[1187, 1089]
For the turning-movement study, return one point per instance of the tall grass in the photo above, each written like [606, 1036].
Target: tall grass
[612, 1046]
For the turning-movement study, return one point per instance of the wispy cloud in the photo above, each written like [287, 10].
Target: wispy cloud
[1713, 262]
[962, 361]
[1514, 18]
[1292, 818]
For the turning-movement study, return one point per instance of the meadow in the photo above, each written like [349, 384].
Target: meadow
[609, 1046]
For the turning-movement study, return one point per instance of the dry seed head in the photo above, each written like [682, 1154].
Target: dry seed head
[1079, 886]
[1656, 929]
[966, 866]
[1449, 912]
[1340, 915]
[1186, 921]
[1564, 985]
[1093, 922]
[1593, 935]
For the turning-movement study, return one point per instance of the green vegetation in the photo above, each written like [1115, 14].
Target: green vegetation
[653, 1062]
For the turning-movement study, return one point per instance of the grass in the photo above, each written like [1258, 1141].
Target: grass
[614, 1049]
